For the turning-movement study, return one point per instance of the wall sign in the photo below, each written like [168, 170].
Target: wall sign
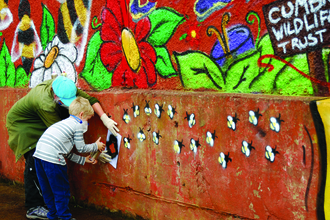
[297, 26]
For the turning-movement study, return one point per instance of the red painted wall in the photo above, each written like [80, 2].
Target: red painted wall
[155, 182]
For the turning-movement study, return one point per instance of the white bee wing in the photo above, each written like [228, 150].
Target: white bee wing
[224, 164]
[247, 152]
[277, 127]
[233, 126]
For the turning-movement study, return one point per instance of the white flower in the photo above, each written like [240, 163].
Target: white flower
[58, 58]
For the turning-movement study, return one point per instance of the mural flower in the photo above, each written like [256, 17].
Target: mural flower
[124, 49]
[193, 36]
[58, 58]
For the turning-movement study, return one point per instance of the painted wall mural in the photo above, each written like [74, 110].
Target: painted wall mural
[268, 47]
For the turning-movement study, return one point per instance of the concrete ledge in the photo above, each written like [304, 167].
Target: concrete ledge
[153, 181]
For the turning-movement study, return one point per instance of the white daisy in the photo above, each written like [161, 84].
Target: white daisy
[58, 58]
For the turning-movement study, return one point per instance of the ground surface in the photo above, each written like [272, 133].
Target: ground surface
[12, 206]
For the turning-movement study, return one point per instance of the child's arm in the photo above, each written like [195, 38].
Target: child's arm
[78, 139]
[76, 158]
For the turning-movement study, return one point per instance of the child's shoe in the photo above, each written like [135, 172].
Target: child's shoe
[38, 212]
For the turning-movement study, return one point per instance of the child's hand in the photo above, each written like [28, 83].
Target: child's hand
[90, 159]
[100, 145]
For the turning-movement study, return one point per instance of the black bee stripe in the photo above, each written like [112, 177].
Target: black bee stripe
[72, 11]
[87, 4]
[24, 8]
[61, 30]
[74, 17]
[25, 37]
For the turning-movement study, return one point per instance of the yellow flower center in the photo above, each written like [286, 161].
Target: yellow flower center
[193, 33]
[131, 50]
[51, 56]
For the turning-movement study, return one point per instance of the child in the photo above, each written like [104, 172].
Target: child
[53, 147]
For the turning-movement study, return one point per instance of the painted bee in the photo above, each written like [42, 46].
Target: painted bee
[6, 16]
[224, 159]
[171, 111]
[254, 116]
[26, 43]
[271, 153]
[178, 146]
[191, 119]
[194, 145]
[147, 109]
[246, 148]
[126, 117]
[136, 110]
[141, 136]
[210, 138]
[231, 122]
[127, 142]
[275, 123]
[155, 137]
[73, 23]
[158, 110]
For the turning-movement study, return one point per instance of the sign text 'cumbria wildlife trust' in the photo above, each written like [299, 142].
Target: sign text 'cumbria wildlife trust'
[297, 26]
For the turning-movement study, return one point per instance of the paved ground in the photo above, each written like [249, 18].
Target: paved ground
[12, 206]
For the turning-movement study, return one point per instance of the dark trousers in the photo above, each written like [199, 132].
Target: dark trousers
[54, 182]
[33, 196]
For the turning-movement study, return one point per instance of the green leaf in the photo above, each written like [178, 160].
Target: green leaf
[197, 70]
[163, 63]
[7, 68]
[164, 22]
[47, 28]
[183, 36]
[290, 82]
[241, 73]
[94, 71]
[21, 78]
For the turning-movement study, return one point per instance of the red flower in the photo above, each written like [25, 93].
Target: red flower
[124, 49]
[193, 36]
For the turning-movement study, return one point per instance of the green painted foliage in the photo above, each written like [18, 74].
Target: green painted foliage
[21, 78]
[94, 71]
[243, 75]
[163, 63]
[8, 75]
[197, 70]
[7, 68]
[164, 22]
[47, 28]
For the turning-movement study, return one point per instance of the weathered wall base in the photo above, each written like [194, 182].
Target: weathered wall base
[154, 181]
